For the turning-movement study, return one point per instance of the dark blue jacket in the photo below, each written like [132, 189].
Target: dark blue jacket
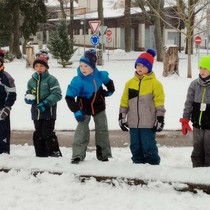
[88, 91]
[7, 89]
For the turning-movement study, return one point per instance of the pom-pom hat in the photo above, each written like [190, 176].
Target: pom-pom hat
[89, 58]
[41, 59]
[147, 59]
[204, 62]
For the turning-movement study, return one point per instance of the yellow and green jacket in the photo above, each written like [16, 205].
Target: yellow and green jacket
[142, 101]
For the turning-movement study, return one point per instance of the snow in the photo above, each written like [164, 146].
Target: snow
[20, 190]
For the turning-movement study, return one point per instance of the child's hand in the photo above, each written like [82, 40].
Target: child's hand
[5, 112]
[80, 117]
[106, 93]
[42, 105]
[122, 122]
[185, 125]
[29, 98]
[159, 124]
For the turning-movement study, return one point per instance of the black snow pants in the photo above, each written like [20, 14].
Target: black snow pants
[45, 139]
[5, 135]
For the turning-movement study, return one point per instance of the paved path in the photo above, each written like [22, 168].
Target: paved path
[118, 138]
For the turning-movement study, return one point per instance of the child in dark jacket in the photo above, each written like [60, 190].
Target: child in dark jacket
[87, 88]
[197, 109]
[142, 110]
[43, 93]
[7, 99]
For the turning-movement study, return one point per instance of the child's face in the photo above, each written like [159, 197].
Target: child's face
[40, 68]
[141, 69]
[85, 69]
[204, 72]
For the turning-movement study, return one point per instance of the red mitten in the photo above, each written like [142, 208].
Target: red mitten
[185, 125]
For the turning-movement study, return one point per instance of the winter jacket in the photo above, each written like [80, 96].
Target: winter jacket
[197, 105]
[88, 91]
[142, 100]
[44, 86]
[7, 89]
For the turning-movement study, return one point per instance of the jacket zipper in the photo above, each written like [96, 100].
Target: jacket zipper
[137, 107]
[94, 97]
[202, 100]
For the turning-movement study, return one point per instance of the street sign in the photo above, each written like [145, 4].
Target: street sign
[94, 39]
[108, 32]
[94, 24]
[102, 29]
[108, 39]
[197, 39]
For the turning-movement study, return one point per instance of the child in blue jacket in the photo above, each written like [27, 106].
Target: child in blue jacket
[87, 89]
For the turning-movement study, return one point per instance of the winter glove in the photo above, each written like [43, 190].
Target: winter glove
[185, 125]
[106, 93]
[29, 98]
[159, 124]
[42, 105]
[122, 122]
[80, 117]
[5, 112]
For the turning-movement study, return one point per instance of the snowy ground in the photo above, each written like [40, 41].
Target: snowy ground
[21, 190]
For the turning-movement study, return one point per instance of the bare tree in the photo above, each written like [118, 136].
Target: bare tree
[63, 14]
[155, 7]
[185, 12]
[127, 20]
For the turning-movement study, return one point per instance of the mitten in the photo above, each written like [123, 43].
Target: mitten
[122, 122]
[42, 105]
[106, 93]
[80, 117]
[5, 112]
[29, 98]
[185, 125]
[159, 124]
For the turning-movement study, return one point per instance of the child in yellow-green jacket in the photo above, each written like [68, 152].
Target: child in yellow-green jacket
[142, 110]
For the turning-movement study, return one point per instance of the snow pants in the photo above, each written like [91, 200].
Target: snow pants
[82, 137]
[5, 135]
[200, 156]
[45, 140]
[143, 146]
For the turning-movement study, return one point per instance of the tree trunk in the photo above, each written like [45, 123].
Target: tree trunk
[16, 30]
[63, 14]
[127, 20]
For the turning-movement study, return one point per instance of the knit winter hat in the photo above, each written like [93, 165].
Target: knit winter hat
[89, 58]
[41, 59]
[204, 62]
[147, 59]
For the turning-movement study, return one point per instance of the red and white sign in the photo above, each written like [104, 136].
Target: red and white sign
[108, 39]
[94, 24]
[197, 39]
[108, 32]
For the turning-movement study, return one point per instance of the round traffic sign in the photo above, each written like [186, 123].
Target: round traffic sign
[94, 39]
[108, 39]
[108, 32]
[197, 39]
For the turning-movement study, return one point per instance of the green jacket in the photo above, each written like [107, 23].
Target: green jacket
[44, 86]
[142, 100]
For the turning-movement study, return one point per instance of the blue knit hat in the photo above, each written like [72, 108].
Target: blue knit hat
[89, 58]
[147, 59]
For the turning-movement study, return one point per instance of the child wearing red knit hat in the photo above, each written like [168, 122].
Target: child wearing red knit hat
[43, 93]
[142, 110]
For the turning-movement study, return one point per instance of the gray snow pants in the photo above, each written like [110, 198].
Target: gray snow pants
[82, 137]
[201, 148]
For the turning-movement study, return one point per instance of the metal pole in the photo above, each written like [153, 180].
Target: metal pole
[84, 31]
